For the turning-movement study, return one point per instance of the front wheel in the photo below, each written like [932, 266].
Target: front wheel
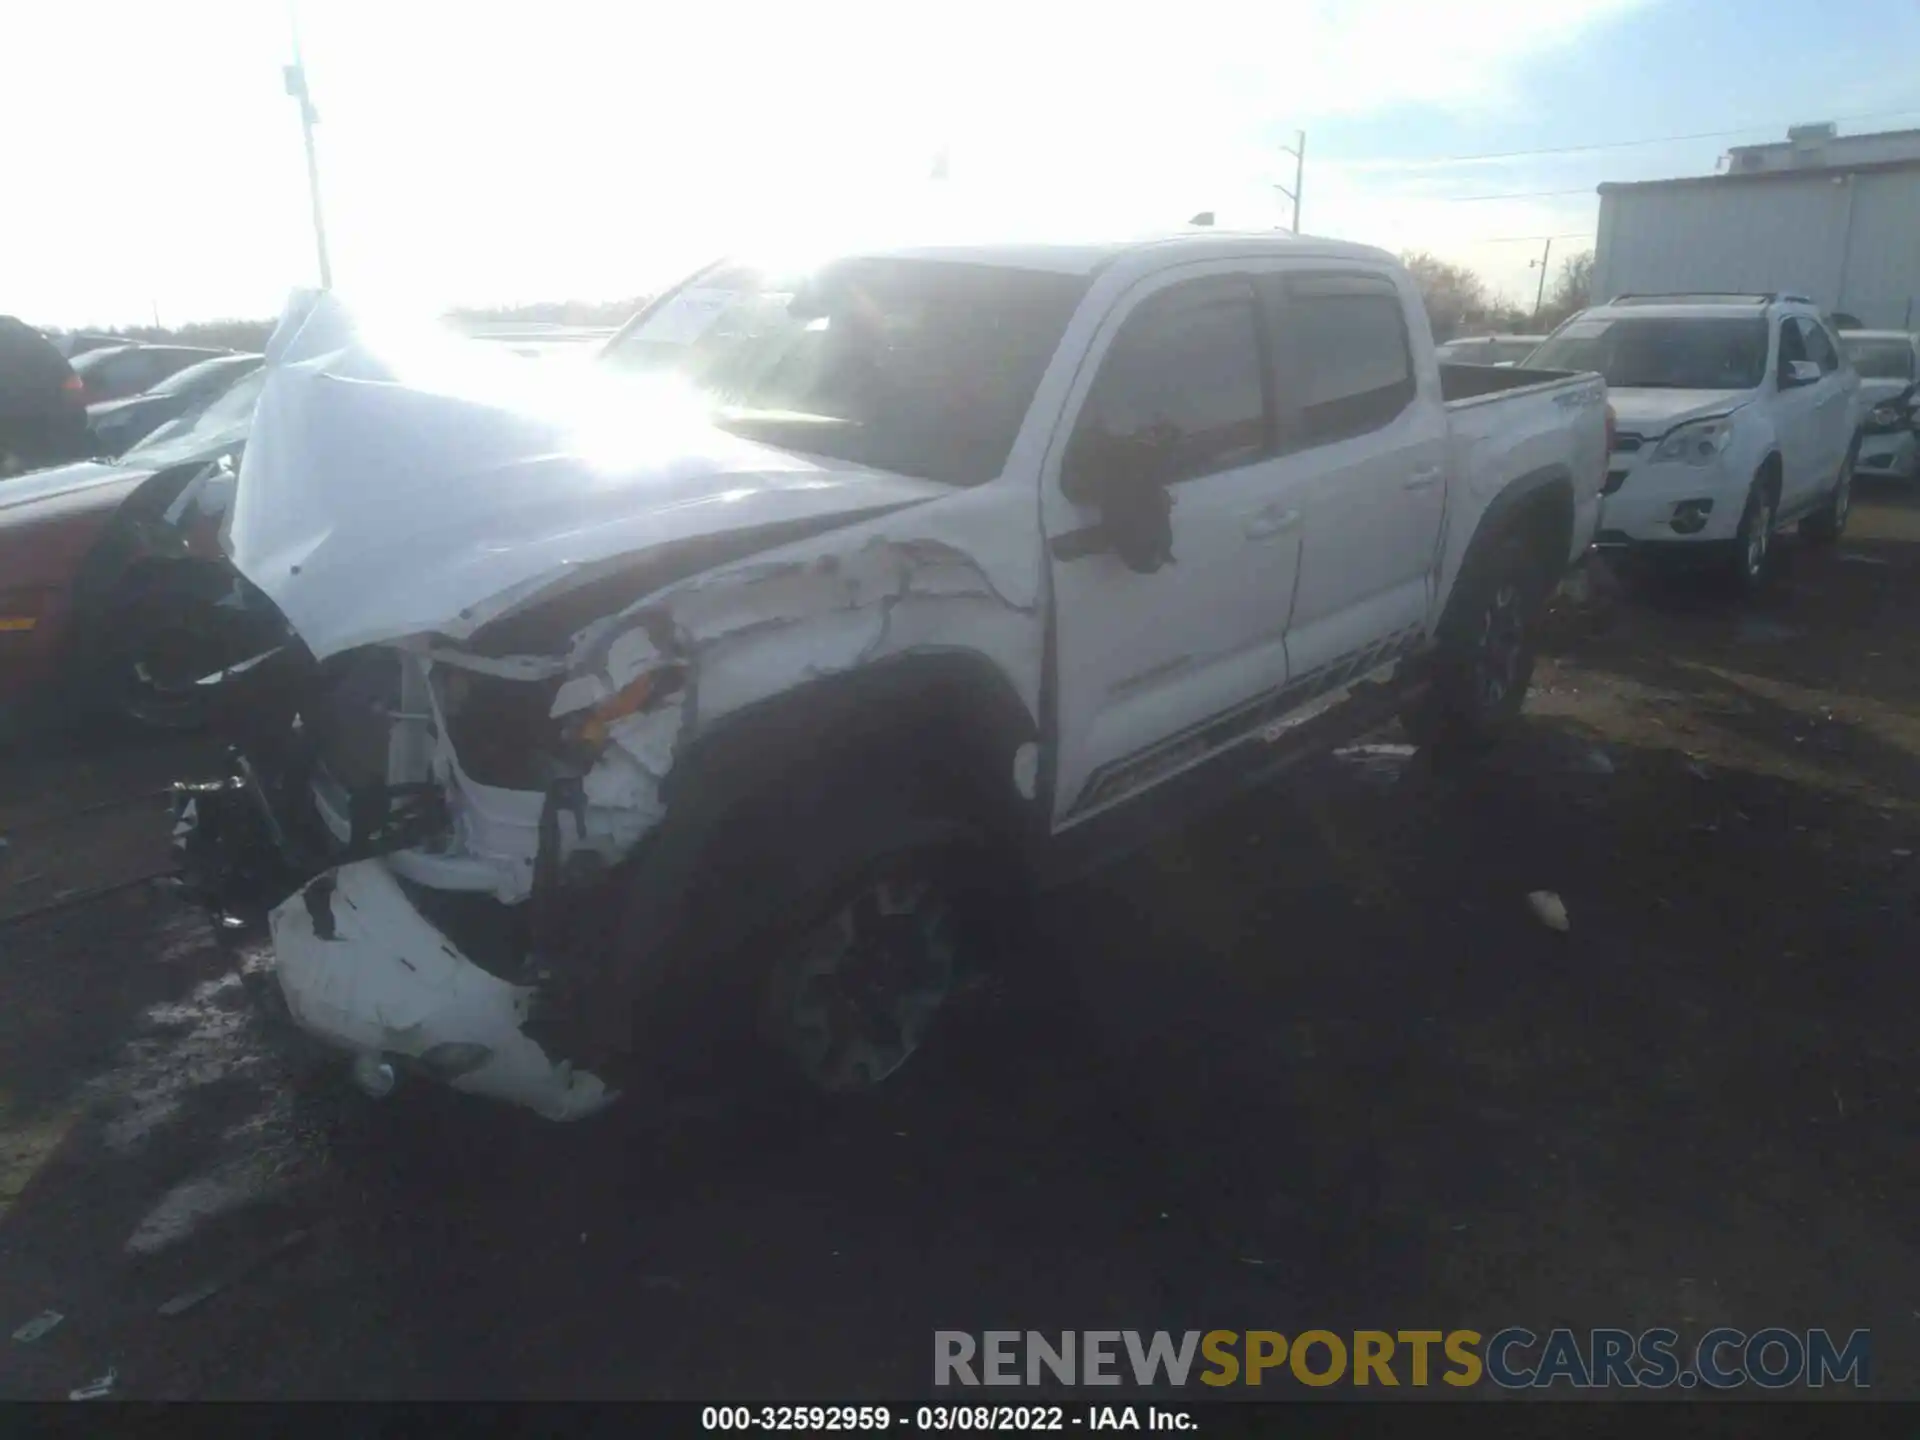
[1753, 541]
[826, 937]
[141, 659]
[1487, 651]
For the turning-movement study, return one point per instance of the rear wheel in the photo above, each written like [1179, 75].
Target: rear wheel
[1828, 523]
[1487, 650]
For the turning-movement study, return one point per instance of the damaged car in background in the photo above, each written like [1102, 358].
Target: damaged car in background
[636, 730]
[112, 581]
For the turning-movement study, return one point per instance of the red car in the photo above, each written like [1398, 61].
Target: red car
[86, 551]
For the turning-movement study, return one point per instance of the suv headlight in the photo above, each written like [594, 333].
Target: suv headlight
[1699, 442]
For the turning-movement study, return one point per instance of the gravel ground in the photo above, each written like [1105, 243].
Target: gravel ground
[1326, 1069]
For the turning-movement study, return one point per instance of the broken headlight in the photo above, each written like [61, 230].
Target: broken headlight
[589, 728]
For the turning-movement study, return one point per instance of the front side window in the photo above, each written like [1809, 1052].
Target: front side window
[1820, 348]
[1663, 352]
[1180, 393]
[921, 367]
[1793, 344]
[1346, 365]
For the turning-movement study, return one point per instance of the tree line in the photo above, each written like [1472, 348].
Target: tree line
[252, 334]
[1459, 302]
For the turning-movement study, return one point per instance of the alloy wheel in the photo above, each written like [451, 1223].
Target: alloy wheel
[854, 997]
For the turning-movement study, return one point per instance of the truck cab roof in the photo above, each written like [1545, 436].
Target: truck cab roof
[1091, 257]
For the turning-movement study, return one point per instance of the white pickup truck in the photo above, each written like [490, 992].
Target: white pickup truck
[727, 693]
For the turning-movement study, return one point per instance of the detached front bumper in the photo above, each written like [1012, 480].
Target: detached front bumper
[363, 970]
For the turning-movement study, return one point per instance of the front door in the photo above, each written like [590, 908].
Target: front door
[1833, 407]
[1153, 659]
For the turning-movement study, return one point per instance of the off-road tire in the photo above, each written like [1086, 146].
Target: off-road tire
[782, 880]
[1486, 652]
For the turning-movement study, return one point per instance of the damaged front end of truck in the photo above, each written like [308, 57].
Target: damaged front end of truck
[495, 654]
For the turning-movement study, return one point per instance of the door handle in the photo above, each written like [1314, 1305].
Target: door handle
[1424, 479]
[1271, 522]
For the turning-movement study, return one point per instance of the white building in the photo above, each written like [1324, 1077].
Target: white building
[1833, 217]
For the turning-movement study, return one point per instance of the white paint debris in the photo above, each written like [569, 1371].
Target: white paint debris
[1854, 557]
[39, 1325]
[1026, 770]
[98, 1388]
[230, 1186]
[1549, 910]
[190, 1044]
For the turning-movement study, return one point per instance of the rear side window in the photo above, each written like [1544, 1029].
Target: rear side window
[1181, 391]
[1344, 360]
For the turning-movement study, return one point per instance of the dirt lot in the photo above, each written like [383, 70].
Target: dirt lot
[1327, 1070]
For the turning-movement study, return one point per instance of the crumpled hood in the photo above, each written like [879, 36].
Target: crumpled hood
[393, 485]
[1654, 412]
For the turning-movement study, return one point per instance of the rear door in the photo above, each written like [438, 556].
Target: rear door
[1797, 422]
[1834, 408]
[1156, 669]
[1368, 443]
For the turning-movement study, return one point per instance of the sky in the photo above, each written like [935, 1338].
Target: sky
[487, 154]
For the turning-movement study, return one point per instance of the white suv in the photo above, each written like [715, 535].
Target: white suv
[1735, 415]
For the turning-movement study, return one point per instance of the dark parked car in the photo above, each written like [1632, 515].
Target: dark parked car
[43, 418]
[88, 561]
[79, 343]
[118, 424]
[129, 369]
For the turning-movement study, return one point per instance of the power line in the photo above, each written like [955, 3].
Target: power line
[1515, 195]
[1417, 160]
[1529, 239]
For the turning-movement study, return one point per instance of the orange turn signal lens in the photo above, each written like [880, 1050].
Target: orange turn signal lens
[636, 695]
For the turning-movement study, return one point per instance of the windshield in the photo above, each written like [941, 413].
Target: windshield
[225, 419]
[1501, 351]
[1878, 359]
[199, 377]
[1656, 353]
[921, 367]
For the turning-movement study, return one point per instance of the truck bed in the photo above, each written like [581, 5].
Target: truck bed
[1508, 425]
[1463, 384]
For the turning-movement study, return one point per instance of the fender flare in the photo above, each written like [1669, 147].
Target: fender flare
[1548, 484]
[837, 723]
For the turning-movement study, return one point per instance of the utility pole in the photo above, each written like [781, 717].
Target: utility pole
[296, 80]
[1298, 150]
[1540, 295]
